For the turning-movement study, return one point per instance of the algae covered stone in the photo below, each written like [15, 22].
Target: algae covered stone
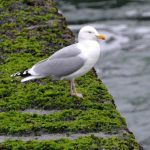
[31, 30]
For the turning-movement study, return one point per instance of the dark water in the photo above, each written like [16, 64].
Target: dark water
[124, 65]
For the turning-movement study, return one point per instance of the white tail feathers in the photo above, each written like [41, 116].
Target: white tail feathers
[31, 78]
[27, 76]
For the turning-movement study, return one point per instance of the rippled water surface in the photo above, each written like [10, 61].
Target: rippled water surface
[124, 65]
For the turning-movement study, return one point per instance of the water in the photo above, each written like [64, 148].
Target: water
[125, 61]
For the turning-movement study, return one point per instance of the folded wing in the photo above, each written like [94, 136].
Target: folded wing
[62, 63]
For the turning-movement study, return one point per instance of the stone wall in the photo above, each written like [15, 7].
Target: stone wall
[42, 114]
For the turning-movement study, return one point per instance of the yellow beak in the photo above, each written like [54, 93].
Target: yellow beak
[102, 37]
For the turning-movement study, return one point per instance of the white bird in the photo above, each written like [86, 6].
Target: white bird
[69, 62]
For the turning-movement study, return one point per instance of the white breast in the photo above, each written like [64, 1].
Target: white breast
[90, 52]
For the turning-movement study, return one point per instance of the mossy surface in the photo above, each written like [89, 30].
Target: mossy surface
[31, 30]
[70, 120]
[89, 142]
[52, 95]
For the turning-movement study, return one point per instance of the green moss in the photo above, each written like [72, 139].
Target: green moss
[49, 95]
[30, 31]
[91, 120]
[89, 142]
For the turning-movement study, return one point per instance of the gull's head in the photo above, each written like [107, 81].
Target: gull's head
[89, 33]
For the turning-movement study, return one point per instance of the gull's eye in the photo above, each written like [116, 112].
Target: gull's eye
[89, 32]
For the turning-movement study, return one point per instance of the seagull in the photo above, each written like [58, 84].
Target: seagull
[69, 62]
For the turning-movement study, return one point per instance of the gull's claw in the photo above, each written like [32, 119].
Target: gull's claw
[77, 95]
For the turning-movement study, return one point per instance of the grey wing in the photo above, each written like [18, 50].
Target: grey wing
[62, 63]
[58, 67]
[69, 51]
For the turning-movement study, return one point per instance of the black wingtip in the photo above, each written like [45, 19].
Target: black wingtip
[22, 74]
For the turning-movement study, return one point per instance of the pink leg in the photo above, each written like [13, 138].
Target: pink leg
[73, 91]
